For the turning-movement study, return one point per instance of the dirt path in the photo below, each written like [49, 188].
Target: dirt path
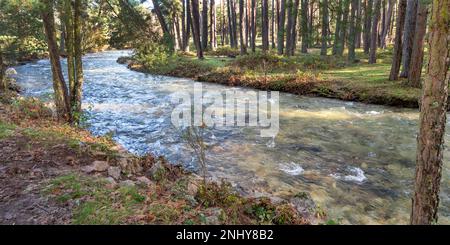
[24, 170]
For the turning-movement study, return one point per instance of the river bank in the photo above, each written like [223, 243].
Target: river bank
[307, 74]
[53, 173]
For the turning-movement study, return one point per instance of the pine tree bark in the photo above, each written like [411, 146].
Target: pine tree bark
[187, 32]
[352, 34]
[387, 23]
[272, 32]
[61, 96]
[281, 27]
[212, 20]
[253, 23]
[289, 8]
[408, 36]
[205, 24]
[358, 25]
[398, 49]
[415, 69]
[323, 50]
[265, 25]
[3, 81]
[243, 49]
[196, 27]
[373, 39]
[337, 32]
[304, 26]
[343, 29]
[367, 25]
[76, 97]
[430, 141]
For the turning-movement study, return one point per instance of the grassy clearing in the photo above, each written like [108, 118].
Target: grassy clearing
[303, 74]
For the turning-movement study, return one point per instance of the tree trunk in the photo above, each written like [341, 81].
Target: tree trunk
[430, 141]
[358, 26]
[387, 23]
[304, 26]
[323, 50]
[223, 24]
[367, 25]
[3, 81]
[241, 28]
[205, 24]
[408, 36]
[196, 28]
[253, 23]
[59, 86]
[265, 25]
[373, 39]
[281, 30]
[188, 17]
[212, 20]
[289, 7]
[415, 69]
[397, 56]
[343, 30]
[272, 33]
[337, 32]
[352, 34]
[161, 19]
[78, 54]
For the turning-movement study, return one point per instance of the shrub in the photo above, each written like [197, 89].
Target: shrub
[152, 55]
[224, 51]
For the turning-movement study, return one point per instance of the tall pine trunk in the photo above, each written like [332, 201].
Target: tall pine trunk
[352, 34]
[417, 53]
[241, 28]
[212, 20]
[398, 49]
[323, 50]
[76, 97]
[204, 24]
[281, 27]
[304, 26]
[373, 39]
[430, 141]
[61, 96]
[265, 25]
[408, 36]
[337, 32]
[196, 27]
[387, 23]
[367, 25]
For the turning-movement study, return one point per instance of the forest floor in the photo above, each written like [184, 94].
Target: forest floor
[53, 173]
[303, 74]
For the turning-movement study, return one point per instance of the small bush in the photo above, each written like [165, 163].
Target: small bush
[260, 61]
[31, 108]
[224, 51]
[152, 55]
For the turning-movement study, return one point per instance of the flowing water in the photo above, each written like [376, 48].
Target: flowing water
[356, 160]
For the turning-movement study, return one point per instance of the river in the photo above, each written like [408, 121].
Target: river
[356, 160]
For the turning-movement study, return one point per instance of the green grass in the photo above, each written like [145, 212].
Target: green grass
[6, 129]
[97, 203]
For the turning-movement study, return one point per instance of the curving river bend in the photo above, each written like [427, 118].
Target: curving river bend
[356, 160]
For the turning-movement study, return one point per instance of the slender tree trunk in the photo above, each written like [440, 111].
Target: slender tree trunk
[430, 141]
[387, 23]
[289, 7]
[272, 33]
[205, 24]
[323, 50]
[352, 34]
[196, 28]
[161, 19]
[343, 29]
[188, 25]
[294, 28]
[223, 24]
[337, 32]
[373, 39]
[265, 25]
[241, 27]
[408, 36]
[61, 96]
[253, 22]
[367, 25]
[76, 97]
[212, 20]
[3, 81]
[281, 30]
[358, 26]
[417, 53]
[310, 23]
[397, 56]
[304, 26]
[70, 47]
